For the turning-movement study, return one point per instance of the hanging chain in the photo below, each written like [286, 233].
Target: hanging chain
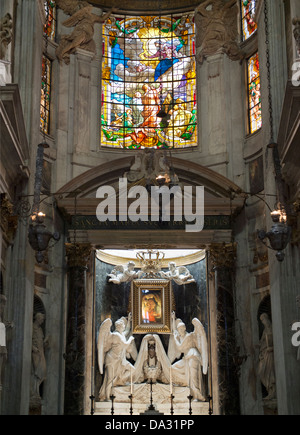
[268, 64]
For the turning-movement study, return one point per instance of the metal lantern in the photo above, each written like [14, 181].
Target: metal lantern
[279, 235]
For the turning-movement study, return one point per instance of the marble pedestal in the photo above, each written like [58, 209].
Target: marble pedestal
[161, 401]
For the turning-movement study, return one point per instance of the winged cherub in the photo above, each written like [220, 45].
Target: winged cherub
[122, 274]
[188, 371]
[181, 275]
[83, 19]
[113, 350]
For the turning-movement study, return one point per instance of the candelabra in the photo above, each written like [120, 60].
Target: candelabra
[172, 401]
[131, 403]
[112, 398]
[190, 397]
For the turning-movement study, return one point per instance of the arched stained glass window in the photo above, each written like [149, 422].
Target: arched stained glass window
[254, 94]
[249, 26]
[149, 82]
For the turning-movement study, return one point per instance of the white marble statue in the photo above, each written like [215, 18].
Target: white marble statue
[181, 275]
[266, 365]
[122, 274]
[113, 350]
[187, 372]
[39, 365]
[152, 362]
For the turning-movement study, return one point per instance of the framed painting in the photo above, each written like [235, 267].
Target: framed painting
[151, 305]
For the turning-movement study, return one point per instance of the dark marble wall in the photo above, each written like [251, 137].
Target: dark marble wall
[113, 300]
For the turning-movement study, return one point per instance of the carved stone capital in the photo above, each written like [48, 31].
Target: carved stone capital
[222, 255]
[78, 254]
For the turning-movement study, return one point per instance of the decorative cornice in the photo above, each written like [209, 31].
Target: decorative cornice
[78, 254]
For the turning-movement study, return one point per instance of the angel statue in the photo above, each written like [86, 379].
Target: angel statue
[187, 372]
[82, 36]
[181, 275]
[122, 274]
[113, 350]
[217, 29]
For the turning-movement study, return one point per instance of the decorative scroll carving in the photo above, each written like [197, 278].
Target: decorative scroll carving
[217, 29]
[83, 21]
[6, 34]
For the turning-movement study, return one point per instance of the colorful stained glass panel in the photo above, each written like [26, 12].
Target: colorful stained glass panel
[45, 95]
[149, 83]
[254, 94]
[249, 26]
[50, 25]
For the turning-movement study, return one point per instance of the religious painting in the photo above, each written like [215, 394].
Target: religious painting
[254, 94]
[256, 175]
[249, 26]
[149, 83]
[151, 306]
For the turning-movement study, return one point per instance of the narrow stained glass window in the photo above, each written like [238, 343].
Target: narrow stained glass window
[50, 25]
[249, 26]
[45, 95]
[254, 94]
[149, 83]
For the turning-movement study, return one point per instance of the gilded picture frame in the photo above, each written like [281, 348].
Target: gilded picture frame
[151, 304]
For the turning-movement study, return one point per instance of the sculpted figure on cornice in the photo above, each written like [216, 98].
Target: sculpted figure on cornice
[83, 20]
[6, 34]
[181, 275]
[217, 30]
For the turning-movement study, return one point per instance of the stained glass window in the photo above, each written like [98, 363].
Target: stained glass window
[45, 95]
[254, 94]
[149, 83]
[50, 25]
[249, 26]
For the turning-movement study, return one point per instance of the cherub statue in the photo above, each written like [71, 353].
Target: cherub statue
[187, 372]
[113, 350]
[122, 274]
[181, 275]
[217, 29]
[83, 19]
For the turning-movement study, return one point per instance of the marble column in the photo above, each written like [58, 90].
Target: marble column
[224, 370]
[78, 257]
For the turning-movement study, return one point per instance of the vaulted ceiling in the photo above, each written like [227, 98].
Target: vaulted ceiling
[148, 7]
